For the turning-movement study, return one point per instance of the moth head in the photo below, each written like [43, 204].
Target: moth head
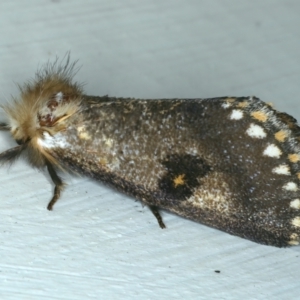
[45, 105]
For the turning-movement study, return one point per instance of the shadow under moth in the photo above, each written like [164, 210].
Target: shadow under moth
[229, 163]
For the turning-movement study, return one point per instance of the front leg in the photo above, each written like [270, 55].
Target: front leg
[59, 185]
[4, 127]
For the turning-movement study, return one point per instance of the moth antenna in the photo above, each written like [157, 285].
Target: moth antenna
[11, 155]
[63, 68]
[5, 98]
[39, 96]
[59, 184]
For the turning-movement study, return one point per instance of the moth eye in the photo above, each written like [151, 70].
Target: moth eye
[20, 141]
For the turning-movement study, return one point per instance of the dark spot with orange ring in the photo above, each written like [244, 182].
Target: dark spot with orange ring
[182, 175]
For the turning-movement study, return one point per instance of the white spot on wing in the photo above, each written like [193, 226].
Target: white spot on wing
[56, 141]
[294, 236]
[294, 239]
[295, 204]
[256, 131]
[272, 151]
[296, 221]
[282, 170]
[236, 114]
[294, 243]
[226, 105]
[291, 186]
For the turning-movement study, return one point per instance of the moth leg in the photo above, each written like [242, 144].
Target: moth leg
[4, 127]
[157, 215]
[59, 185]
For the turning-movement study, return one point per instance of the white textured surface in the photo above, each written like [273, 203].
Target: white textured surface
[98, 244]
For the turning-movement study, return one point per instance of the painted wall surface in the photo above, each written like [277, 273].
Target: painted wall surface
[97, 243]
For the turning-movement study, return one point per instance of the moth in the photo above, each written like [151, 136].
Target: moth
[232, 163]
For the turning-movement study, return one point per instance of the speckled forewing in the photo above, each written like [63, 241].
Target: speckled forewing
[231, 163]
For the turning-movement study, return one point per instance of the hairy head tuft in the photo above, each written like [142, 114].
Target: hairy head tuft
[45, 103]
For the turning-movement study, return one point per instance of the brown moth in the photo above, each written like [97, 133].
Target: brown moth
[229, 163]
